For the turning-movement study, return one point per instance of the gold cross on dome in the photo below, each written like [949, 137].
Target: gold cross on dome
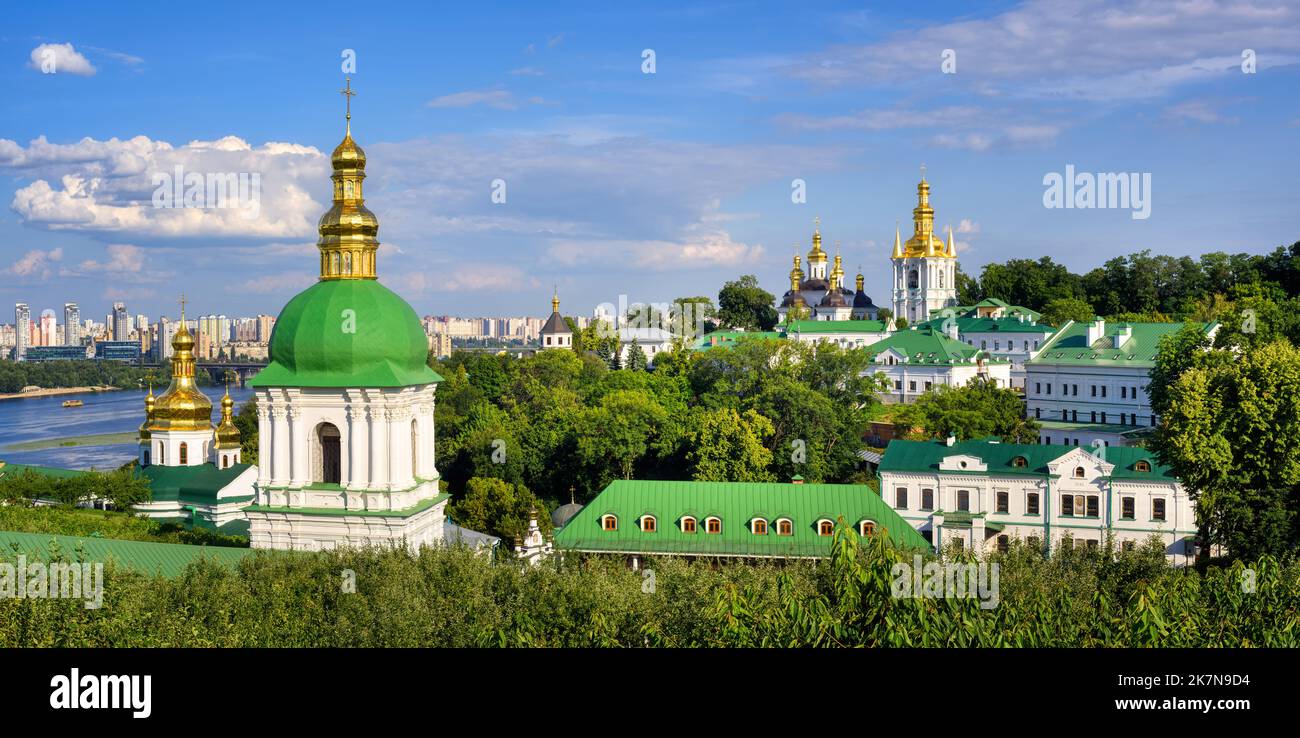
[182, 306]
[348, 93]
[923, 172]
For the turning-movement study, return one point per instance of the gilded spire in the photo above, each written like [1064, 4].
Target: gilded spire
[555, 300]
[816, 256]
[923, 241]
[182, 406]
[898, 243]
[349, 233]
[227, 432]
[952, 247]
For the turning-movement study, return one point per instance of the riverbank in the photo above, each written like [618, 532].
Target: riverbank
[56, 391]
[98, 439]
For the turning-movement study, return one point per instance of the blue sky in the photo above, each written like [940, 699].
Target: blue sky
[652, 186]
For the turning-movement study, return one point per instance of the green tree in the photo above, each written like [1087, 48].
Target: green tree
[743, 304]
[977, 410]
[1061, 309]
[498, 508]
[725, 446]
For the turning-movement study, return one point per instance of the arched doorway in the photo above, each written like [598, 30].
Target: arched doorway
[327, 460]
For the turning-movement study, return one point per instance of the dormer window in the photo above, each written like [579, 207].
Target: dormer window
[867, 528]
[648, 524]
[1143, 466]
[825, 527]
[713, 525]
[688, 524]
[784, 527]
[1020, 461]
[1078, 472]
[758, 526]
[608, 522]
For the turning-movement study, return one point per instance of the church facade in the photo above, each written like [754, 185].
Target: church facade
[821, 295]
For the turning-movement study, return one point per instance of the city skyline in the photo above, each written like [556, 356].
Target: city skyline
[849, 102]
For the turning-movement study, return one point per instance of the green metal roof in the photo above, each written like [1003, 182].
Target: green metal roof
[168, 559]
[1070, 346]
[836, 326]
[199, 483]
[727, 339]
[925, 456]
[736, 504]
[925, 345]
[347, 333]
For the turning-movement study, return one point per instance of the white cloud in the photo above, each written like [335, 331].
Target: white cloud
[1200, 111]
[109, 186]
[35, 263]
[499, 99]
[60, 59]
[1074, 49]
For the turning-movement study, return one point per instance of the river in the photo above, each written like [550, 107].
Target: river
[42, 418]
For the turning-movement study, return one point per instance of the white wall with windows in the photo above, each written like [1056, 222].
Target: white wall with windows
[1077, 500]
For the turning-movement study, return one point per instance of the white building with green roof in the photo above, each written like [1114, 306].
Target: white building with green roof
[345, 407]
[981, 494]
[1006, 331]
[1088, 384]
[917, 360]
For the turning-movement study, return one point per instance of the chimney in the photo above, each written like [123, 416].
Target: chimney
[952, 438]
[1125, 333]
[796, 479]
[951, 329]
[1096, 330]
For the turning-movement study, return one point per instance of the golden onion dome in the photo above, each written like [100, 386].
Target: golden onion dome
[148, 415]
[182, 406]
[227, 432]
[348, 155]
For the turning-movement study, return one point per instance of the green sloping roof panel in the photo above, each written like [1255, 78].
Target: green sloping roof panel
[736, 504]
[168, 559]
[925, 456]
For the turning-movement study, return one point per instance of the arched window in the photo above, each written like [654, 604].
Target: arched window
[912, 279]
[185, 453]
[867, 528]
[713, 525]
[784, 527]
[825, 527]
[326, 456]
[608, 522]
[649, 524]
[1078, 472]
[1020, 461]
[162, 454]
[1143, 466]
[758, 526]
[146, 457]
[225, 461]
[688, 524]
[347, 263]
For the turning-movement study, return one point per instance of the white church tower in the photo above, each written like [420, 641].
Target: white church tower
[925, 268]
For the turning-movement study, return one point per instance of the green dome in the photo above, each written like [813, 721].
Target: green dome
[347, 333]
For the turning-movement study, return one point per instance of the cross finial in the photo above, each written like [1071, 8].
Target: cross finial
[348, 93]
[923, 171]
[182, 307]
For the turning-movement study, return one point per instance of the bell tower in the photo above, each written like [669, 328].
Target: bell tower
[925, 268]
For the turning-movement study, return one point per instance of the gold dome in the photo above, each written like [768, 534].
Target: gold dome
[816, 256]
[227, 432]
[923, 241]
[148, 414]
[349, 232]
[182, 406]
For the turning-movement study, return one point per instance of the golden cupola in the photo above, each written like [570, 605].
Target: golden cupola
[149, 401]
[227, 432]
[349, 233]
[816, 256]
[182, 406]
[923, 241]
[837, 272]
[796, 274]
